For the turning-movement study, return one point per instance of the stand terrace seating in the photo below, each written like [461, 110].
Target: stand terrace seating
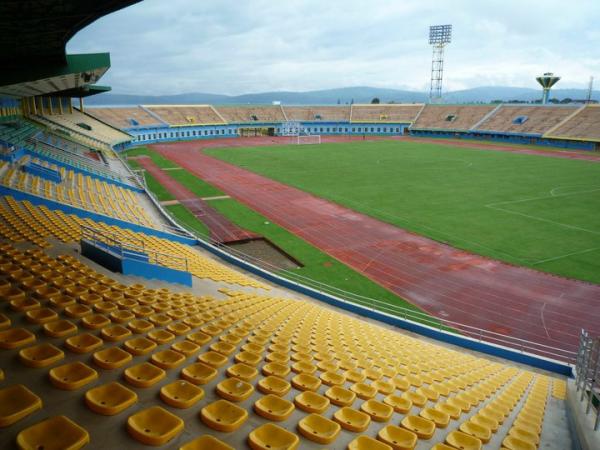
[385, 113]
[123, 118]
[451, 117]
[187, 115]
[318, 113]
[584, 125]
[525, 119]
[246, 114]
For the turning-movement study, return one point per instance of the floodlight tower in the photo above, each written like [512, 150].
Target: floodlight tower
[547, 81]
[439, 36]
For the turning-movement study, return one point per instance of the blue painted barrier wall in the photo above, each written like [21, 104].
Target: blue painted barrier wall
[137, 265]
[149, 135]
[43, 172]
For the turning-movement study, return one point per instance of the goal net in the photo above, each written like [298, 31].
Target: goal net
[309, 139]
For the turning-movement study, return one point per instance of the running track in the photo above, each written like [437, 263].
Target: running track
[440, 279]
[221, 229]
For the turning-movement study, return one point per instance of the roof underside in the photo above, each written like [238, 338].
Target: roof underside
[33, 38]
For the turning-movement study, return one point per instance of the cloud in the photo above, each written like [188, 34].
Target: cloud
[233, 47]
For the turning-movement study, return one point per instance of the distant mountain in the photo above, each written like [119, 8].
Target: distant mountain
[358, 94]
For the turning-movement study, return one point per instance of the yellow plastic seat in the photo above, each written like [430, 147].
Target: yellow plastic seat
[181, 394]
[441, 446]
[397, 438]
[59, 328]
[340, 396]
[272, 437]
[430, 394]
[223, 415]
[311, 402]
[379, 412]
[206, 442]
[384, 387]
[115, 333]
[178, 329]
[140, 326]
[198, 373]
[139, 346]
[55, 433]
[319, 429]
[276, 369]
[72, 376]
[534, 427]
[95, 321]
[110, 399]
[24, 304]
[15, 337]
[234, 389]
[332, 378]
[423, 428]
[242, 371]
[457, 402]
[401, 383]
[41, 315]
[77, 311]
[224, 348]
[441, 419]
[121, 316]
[306, 382]
[273, 408]
[111, 358]
[416, 398]
[144, 375]
[492, 414]
[83, 343]
[363, 391]
[167, 359]
[249, 358]
[463, 441]
[154, 426]
[160, 336]
[480, 432]
[213, 359]
[304, 367]
[17, 402]
[187, 348]
[352, 419]
[273, 385]
[40, 355]
[485, 422]
[199, 338]
[367, 443]
[400, 405]
[524, 434]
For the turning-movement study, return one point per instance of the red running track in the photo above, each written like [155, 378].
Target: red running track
[445, 282]
[221, 229]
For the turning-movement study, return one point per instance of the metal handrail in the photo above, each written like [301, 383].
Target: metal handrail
[125, 248]
[587, 374]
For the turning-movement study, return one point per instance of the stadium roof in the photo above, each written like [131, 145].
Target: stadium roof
[33, 39]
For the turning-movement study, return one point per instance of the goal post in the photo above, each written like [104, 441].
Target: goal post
[298, 133]
[309, 139]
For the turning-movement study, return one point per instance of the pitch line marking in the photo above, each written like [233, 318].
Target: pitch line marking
[509, 202]
[581, 252]
[541, 219]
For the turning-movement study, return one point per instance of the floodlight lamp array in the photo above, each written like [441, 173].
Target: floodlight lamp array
[440, 34]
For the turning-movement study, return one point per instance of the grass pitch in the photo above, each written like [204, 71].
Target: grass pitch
[535, 211]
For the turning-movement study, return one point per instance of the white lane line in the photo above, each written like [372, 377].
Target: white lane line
[581, 252]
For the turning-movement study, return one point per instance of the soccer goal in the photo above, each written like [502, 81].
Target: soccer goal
[309, 139]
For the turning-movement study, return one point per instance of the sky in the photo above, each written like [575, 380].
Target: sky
[244, 46]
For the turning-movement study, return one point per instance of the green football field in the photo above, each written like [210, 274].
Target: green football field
[535, 211]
